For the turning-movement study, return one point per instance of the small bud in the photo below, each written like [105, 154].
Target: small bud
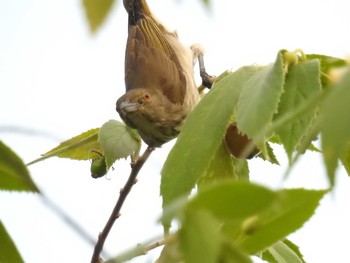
[290, 58]
[250, 225]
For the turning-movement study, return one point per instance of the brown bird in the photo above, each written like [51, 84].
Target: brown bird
[159, 80]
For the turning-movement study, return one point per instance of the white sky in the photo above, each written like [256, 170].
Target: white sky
[57, 78]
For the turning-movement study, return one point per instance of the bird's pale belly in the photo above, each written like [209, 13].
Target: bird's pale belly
[153, 132]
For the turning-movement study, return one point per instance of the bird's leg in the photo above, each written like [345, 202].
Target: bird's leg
[207, 80]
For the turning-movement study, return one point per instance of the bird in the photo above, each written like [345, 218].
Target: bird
[159, 78]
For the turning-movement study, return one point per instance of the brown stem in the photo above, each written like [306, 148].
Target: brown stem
[136, 167]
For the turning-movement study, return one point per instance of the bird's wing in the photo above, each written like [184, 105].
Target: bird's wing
[151, 61]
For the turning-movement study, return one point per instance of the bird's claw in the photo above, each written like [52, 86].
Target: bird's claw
[207, 80]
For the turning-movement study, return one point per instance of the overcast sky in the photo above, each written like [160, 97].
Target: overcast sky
[58, 80]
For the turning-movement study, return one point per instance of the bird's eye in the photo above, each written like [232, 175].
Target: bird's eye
[146, 97]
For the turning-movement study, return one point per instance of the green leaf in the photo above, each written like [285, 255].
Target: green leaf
[267, 256]
[170, 253]
[252, 218]
[302, 84]
[231, 253]
[233, 200]
[327, 63]
[9, 252]
[283, 251]
[269, 155]
[259, 99]
[311, 147]
[345, 159]
[295, 248]
[335, 124]
[291, 209]
[96, 12]
[221, 167]
[204, 130]
[200, 237]
[80, 147]
[118, 141]
[241, 168]
[14, 175]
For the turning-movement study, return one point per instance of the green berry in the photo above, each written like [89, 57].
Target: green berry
[98, 167]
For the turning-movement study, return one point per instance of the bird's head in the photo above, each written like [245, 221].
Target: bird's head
[133, 103]
[152, 114]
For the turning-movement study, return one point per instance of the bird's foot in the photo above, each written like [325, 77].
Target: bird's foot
[207, 80]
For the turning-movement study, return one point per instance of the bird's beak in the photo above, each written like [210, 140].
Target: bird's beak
[129, 106]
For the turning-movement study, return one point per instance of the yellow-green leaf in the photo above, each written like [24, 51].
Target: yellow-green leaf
[241, 168]
[79, 147]
[9, 252]
[345, 159]
[200, 237]
[231, 253]
[233, 200]
[335, 124]
[291, 209]
[253, 216]
[283, 251]
[204, 131]
[302, 84]
[259, 99]
[221, 167]
[14, 175]
[170, 253]
[96, 12]
[327, 64]
[269, 154]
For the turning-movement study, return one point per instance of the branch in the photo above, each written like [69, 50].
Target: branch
[135, 168]
[141, 249]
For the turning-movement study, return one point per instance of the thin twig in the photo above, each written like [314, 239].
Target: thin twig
[142, 249]
[136, 167]
[154, 245]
